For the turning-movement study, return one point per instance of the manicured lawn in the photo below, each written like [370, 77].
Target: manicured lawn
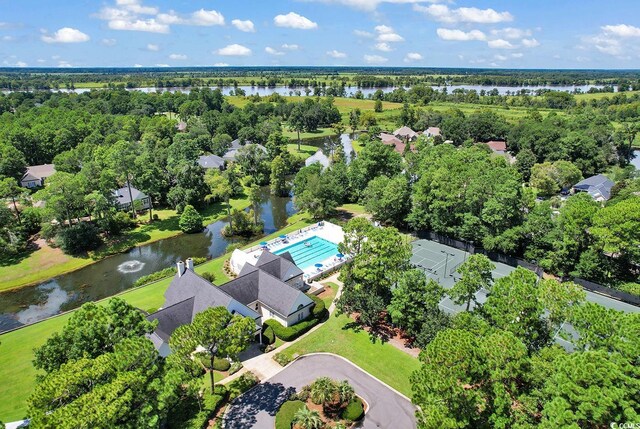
[17, 374]
[355, 209]
[306, 150]
[383, 361]
[47, 262]
[293, 135]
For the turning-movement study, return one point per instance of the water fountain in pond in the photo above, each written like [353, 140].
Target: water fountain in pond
[130, 266]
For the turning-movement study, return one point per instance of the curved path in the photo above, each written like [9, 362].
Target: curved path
[257, 408]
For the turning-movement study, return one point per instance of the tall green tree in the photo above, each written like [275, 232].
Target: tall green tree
[122, 160]
[10, 189]
[218, 331]
[475, 275]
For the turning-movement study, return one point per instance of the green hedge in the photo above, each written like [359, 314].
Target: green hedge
[268, 336]
[221, 364]
[292, 332]
[354, 411]
[284, 416]
[167, 272]
[319, 308]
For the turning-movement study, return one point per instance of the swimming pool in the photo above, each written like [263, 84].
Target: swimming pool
[306, 256]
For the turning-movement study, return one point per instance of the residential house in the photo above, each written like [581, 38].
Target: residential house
[398, 145]
[598, 186]
[498, 147]
[123, 199]
[231, 154]
[36, 175]
[211, 162]
[270, 289]
[405, 133]
[432, 132]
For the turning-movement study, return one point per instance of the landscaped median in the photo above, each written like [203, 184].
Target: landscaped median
[17, 374]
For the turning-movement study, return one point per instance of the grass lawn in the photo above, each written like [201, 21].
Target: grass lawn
[383, 361]
[293, 135]
[17, 374]
[47, 262]
[306, 150]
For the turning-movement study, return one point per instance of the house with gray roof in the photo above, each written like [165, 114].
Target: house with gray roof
[36, 175]
[123, 199]
[236, 145]
[267, 290]
[598, 186]
[211, 162]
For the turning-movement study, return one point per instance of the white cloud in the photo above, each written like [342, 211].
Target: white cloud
[361, 33]
[221, 65]
[207, 18]
[500, 44]
[108, 42]
[517, 55]
[500, 57]
[41, 61]
[66, 35]
[336, 54]
[530, 43]
[269, 50]
[153, 47]
[64, 64]
[136, 6]
[137, 65]
[162, 65]
[170, 18]
[293, 20]
[15, 64]
[443, 13]
[234, 50]
[147, 25]
[384, 47]
[511, 33]
[371, 5]
[459, 35]
[386, 34]
[178, 56]
[8, 38]
[622, 30]
[246, 26]
[412, 56]
[290, 47]
[375, 59]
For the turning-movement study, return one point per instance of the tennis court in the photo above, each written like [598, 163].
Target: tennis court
[440, 263]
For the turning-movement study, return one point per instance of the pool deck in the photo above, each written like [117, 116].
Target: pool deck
[326, 230]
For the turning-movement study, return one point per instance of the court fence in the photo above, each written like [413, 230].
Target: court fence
[470, 247]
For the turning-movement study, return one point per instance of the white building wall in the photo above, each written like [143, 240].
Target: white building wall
[298, 316]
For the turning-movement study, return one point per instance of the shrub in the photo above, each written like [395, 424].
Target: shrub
[354, 411]
[235, 367]
[208, 276]
[152, 310]
[268, 336]
[167, 272]
[292, 332]
[190, 220]
[114, 225]
[241, 384]
[155, 216]
[319, 308]
[282, 359]
[197, 260]
[632, 288]
[79, 238]
[284, 416]
[31, 220]
[221, 364]
[49, 230]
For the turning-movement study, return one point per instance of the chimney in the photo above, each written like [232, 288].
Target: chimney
[180, 265]
[190, 264]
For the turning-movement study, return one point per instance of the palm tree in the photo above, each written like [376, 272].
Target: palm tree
[307, 419]
[323, 390]
[346, 392]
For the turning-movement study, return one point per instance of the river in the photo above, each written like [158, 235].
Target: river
[350, 91]
[117, 273]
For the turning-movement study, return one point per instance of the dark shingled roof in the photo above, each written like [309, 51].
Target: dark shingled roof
[122, 195]
[192, 285]
[596, 186]
[171, 318]
[254, 284]
[280, 266]
[211, 161]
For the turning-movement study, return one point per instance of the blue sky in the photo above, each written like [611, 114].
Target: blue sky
[431, 33]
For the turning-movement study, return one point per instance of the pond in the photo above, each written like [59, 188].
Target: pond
[326, 146]
[117, 273]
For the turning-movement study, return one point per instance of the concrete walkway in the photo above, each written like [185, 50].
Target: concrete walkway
[257, 408]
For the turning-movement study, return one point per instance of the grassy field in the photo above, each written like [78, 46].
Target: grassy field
[601, 95]
[48, 262]
[17, 374]
[382, 360]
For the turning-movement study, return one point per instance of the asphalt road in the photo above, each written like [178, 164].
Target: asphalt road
[257, 408]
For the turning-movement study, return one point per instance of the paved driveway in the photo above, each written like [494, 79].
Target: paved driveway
[257, 408]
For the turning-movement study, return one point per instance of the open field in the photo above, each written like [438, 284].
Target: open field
[601, 95]
[48, 262]
[17, 374]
